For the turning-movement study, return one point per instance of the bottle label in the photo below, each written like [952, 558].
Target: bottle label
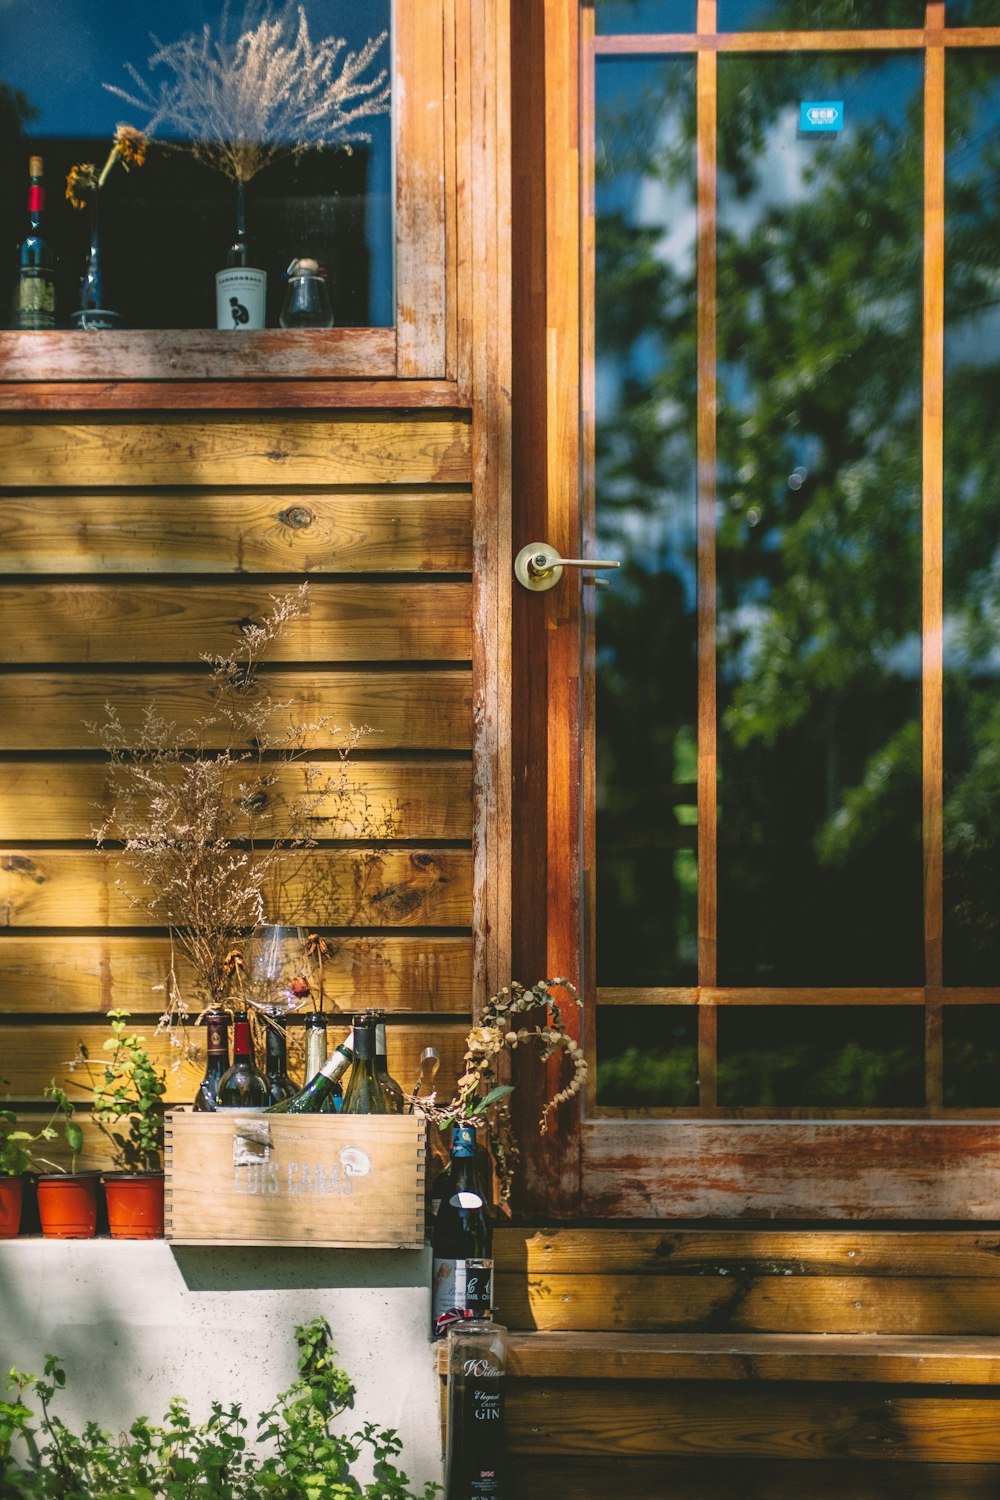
[218, 1040]
[459, 1284]
[35, 299]
[476, 1427]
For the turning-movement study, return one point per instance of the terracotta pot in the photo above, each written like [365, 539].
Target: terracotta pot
[11, 1195]
[67, 1206]
[135, 1205]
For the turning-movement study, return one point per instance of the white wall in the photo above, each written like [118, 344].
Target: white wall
[137, 1322]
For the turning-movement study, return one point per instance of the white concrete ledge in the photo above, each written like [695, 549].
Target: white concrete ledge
[139, 1321]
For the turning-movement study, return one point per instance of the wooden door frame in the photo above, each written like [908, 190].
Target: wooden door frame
[923, 1169]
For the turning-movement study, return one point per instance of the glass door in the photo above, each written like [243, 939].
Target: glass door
[790, 270]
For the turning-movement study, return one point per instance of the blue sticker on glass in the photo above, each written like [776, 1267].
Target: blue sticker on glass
[821, 114]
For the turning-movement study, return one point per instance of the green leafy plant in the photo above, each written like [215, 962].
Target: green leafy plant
[128, 1090]
[179, 1459]
[18, 1152]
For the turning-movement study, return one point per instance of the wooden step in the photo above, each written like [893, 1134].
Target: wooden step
[765, 1357]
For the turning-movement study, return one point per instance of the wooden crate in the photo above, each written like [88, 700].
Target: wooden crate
[333, 1180]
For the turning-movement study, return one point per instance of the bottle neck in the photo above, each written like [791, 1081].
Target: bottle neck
[381, 1050]
[36, 200]
[242, 1045]
[218, 1036]
[364, 1040]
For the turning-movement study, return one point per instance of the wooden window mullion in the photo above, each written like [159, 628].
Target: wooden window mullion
[932, 586]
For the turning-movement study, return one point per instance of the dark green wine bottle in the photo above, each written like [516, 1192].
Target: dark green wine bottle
[363, 1095]
[279, 1085]
[217, 1032]
[241, 1086]
[320, 1092]
[35, 287]
[462, 1239]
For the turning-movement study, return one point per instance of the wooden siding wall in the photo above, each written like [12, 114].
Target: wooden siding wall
[131, 544]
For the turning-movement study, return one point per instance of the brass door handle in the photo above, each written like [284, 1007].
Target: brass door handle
[539, 566]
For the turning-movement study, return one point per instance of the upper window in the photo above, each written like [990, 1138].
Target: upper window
[268, 105]
[281, 168]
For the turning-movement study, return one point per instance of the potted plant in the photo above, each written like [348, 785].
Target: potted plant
[18, 1157]
[67, 1200]
[128, 1111]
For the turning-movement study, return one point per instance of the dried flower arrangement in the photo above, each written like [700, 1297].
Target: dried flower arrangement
[483, 1100]
[83, 180]
[239, 105]
[213, 839]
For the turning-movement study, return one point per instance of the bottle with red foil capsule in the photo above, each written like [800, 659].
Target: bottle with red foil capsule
[242, 1086]
[35, 287]
[217, 1033]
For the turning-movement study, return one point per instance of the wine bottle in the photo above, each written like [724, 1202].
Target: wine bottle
[35, 287]
[462, 1239]
[241, 1086]
[317, 1043]
[363, 1095]
[323, 1093]
[474, 1456]
[279, 1085]
[390, 1088]
[217, 1031]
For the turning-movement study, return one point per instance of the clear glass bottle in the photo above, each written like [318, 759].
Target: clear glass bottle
[242, 1087]
[217, 1062]
[390, 1088]
[35, 287]
[363, 1095]
[474, 1457]
[279, 1085]
[462, 1238]
[322, 1094]
[307, 296]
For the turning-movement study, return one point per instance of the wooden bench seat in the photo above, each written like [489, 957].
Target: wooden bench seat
[752, 1364]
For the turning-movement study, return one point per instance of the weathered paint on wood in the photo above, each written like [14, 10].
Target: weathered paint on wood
[150, 621]
[271, 449]
[413, 710]
[215, 531]
[65, 974]
[390, 800]
[726, 1170]
[396, 888]
[199, 354]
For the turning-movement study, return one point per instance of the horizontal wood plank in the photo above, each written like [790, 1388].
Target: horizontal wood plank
[154, 622]
[54, 711]
[286, 530]
[540, 1477]
[640, 1420]
[349, 449]
[198, 354]
[53, 975]
[762, 1357]
[402, 888]
[33, 1055]
[244, 395]
[734, 1251]
[390, 799]
[725, 1170]
[789, 1303]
